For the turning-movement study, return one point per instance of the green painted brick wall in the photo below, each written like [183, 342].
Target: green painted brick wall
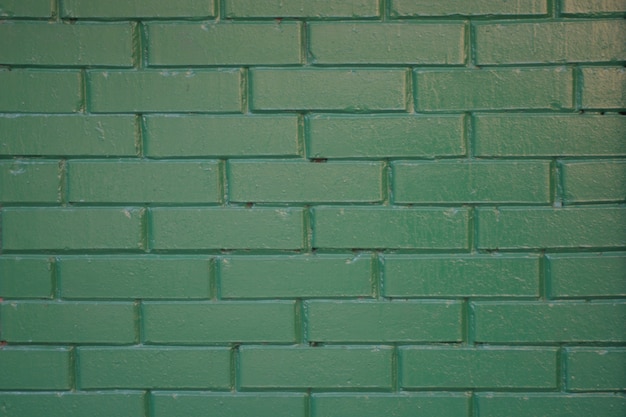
[312, 208]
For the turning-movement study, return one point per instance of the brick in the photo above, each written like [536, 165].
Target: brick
[68, 322]
[591, 181]
[30, 181]
[211, 322]
[25, 8]
[495, 89]
[356, 367]
[549, 135]
[192, 404]
[164, 91]
[581, 276]
[543, 322]
[364, 227]
[593, 369]
[32, 91]
[213, 136]
[144, 182]
[329, 89]
[387, 43]
[153, 368]
[132, 277]
[382, 322]
[320, 276]
[478, 368]
[72, 228]
[22, 368]
[416, 8]
[512, 228]
[41, 43]
[188, 44]
[302, 8]
[550, 42]
[554, 405]
[305, 182]
[137, 9]
[518, 182]
[592, 7]
[604, 88]
[460, 276]
[72, 404]
[331, 136]
[25, 277]
[227, 228]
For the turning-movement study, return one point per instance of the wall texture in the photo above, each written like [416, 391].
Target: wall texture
[313, 208]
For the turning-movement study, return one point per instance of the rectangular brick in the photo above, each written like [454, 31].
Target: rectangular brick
[320, 276]
[329, 89]
[554, 405]
[164, 91]
[72, 228]
[126, 277]
[364, 227]
[227, 228]
[301, 8]
[594, 369]
[582, 276]
[402, 8]
[32, 91]
[21, 365]
[553, 322]
[592, 7]
[514, 228]
[549, 135]
[604, 88]
[138, 9]
[153, 368]
[41, 43]
[387, 43]
[25, 8]
[591, 181]
[305, 182]
[478, 368]
[256, 43]
[460, 276]
[550, 42]
[330, 136]
[144, 182]
[383, 322]
[495, 89]
[471, 182]
[73, 404]
[68, 322]
[30, 181]
[26, 277]
[222, 322]
[355, 367]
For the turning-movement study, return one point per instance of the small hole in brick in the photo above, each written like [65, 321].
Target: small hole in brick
[319, 160]
[249, 205]
[623, 113]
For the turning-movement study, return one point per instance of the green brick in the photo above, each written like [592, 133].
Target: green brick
[68, 322]
[224, 44]
[581, 276]
[26, 277]
[495, 88]
[604, 88]
[303, 182]
[364, 227]
[72, 228]
[23, 368]
[590, 181]
[227, 228]
[382, 322]
[153, 368]
[550, 42]
[460, 276]
[32, 91]
[25, 8]
[593, 369]
[543, 322]
[164, 91]
[144, 182]
[302, 8]
[387, 43]
[518, 182]
[329, 89]
[124, 277]
[416, 8]
[137, 9]
[385, 136]
[210, 322]
[513, 228]
[592, 7]
[323, 276]
[41, 43]
[550, 405]
[478, 368]
[30, 181]
[549, 135]
[355, 367]
[72, 404]
[196, 404]
[213, 136]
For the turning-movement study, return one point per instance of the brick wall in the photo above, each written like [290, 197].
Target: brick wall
[313, 208]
